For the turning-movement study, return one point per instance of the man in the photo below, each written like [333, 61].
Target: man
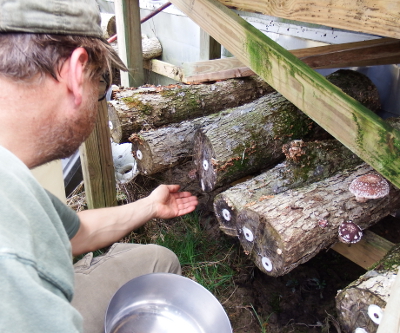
[51, 63]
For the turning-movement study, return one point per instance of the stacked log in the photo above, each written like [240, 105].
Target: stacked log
[162, 148]
[362, 303]
[233, 148]
[165, 147]
[306, 162]
[285, 230]
[150, 107]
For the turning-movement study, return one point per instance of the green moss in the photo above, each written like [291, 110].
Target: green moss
[134, 102]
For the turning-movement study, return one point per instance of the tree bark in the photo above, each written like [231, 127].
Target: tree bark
[362, 302]
[306, 162]
[232, 148]
[284, 231]
[151, 107]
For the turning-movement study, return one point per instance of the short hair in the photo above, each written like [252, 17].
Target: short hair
[24, 56]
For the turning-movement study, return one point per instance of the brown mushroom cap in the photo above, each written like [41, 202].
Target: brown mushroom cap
[369, 186]
[349, 232]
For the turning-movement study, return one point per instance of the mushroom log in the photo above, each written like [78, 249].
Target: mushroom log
[162, 148]
[285, 230]
[228, 151]
[361, 304]
[149, 107]
[236, 147]
[306, 162]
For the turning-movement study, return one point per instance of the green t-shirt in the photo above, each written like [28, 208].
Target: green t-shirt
[37, 276]
[68, 216]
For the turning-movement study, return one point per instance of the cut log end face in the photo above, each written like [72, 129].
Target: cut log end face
[226, 215]
[143, 157]
[206, 163]
[359, 308]
[247, 226]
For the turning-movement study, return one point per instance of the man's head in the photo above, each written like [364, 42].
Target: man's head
[60, 42]
[36, 36]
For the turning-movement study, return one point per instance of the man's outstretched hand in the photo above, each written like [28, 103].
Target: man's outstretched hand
[168, 202]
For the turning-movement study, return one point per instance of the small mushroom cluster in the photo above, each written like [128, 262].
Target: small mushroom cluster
[369, 186]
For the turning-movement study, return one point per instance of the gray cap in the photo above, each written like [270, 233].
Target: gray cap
[67, 17]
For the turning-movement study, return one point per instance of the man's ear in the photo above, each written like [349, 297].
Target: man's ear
[76, 73]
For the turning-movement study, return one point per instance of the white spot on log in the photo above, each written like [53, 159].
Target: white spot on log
[205, 165]
[375, 313]
[139, 154]
[226, 214]
[267, 264]
[110, 125]
[202, 185]
[248, 234]
[279, 251]
[360, 330]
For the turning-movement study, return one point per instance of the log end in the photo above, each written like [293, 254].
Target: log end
[359, 307]
[226, 215]
[266, 251]
[143, 155]
[204, 159]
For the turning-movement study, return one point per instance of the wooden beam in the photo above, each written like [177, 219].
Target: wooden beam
[382, 51]
[165, 69]
[380, 17]
[97, 164]
[127, 14]
[358, 128]
[367, 252]
[209, 47]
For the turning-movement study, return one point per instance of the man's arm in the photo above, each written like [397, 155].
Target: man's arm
[104, 226]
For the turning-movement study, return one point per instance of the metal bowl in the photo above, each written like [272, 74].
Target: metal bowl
[165, 303]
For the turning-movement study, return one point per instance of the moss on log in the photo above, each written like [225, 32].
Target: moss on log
[306, 162]
[151, 107]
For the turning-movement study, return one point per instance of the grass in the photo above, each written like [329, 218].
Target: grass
[203, 259]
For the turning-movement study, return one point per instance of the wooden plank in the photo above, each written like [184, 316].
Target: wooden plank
[368, 251]
[377, 17]
[382, 51]
[127, 14]
[358, 128]
[391, 315]
[165, 69]
[97, 164]
[209, 47]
